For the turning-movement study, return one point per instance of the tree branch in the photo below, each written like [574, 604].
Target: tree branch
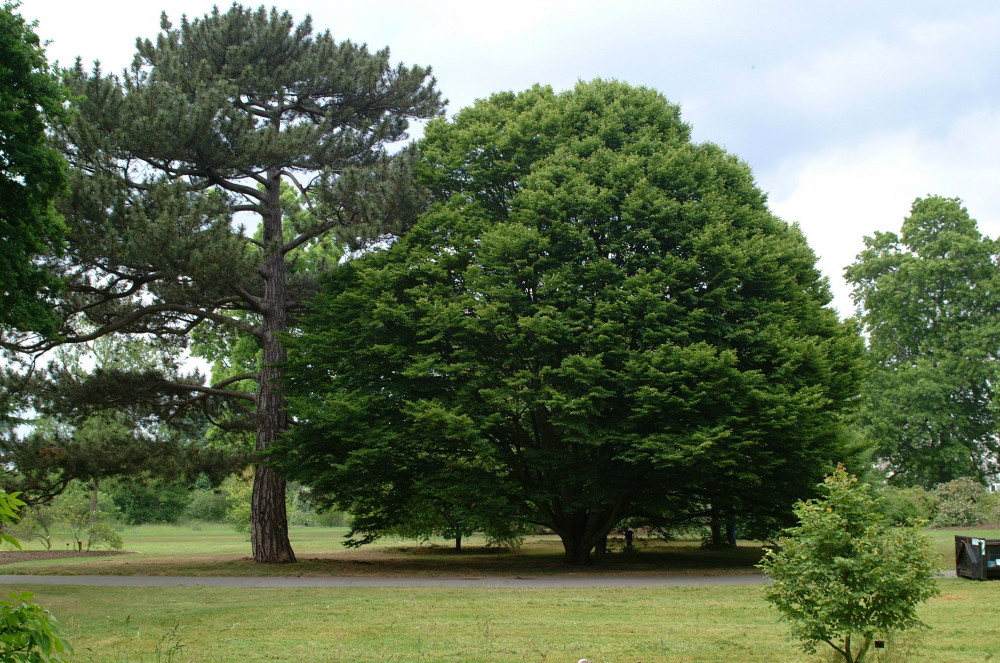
[211, 391]
[305, 236]
[248, 297]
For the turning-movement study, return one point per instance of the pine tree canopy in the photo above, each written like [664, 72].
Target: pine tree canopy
[202, 131]
[596, 320]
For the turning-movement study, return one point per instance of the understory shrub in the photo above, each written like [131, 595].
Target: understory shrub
[903, 506]
[961, 503]
[207, 505]
[143, 501]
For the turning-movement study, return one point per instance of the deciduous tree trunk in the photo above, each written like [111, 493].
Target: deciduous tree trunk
[581, 533]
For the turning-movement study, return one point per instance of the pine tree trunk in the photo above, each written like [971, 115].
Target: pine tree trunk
[268, 522]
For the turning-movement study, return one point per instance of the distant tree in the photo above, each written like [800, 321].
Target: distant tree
[88, 515]
[598, 319]
[208, 122]
[32, 173]
[140, 499]
[844, 576]
[927, 300]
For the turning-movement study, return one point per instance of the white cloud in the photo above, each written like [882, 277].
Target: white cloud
[849, 191]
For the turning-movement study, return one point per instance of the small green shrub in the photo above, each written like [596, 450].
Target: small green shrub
[843, 576]
[28, 632]
[904, 506]
[239, 490]
[332, 518]
[991, 509]
[960, 503]
[206, 505]
[102, 535]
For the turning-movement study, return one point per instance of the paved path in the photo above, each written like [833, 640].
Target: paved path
[383, 581]
[395, 581]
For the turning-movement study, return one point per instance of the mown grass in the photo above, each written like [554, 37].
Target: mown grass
[677, 624]
[686, 624]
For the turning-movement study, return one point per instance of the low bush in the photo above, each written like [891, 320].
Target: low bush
[845, 577]
[903, 506]
[960, 503]
[206, 505]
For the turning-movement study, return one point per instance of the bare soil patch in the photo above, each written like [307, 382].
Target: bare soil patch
[12, 556]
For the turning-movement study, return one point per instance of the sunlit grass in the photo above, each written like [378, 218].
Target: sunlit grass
[679, 624]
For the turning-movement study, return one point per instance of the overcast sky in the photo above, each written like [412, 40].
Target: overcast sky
[846, 110]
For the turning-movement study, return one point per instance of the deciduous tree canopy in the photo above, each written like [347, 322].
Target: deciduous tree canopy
[598, 319]
[32, 172]
[928, 302]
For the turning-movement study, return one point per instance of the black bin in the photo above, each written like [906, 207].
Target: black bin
[977, 558]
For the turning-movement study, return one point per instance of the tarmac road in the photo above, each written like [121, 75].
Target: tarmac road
[397, 581]
[387, 581]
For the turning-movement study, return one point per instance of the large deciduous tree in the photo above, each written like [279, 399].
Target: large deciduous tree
[32, 172]
[928, 301]
[209, 121]
[598, 319]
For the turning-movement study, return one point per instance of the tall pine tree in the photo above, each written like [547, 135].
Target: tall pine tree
[208, 123]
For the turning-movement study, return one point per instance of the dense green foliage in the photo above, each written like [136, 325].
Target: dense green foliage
[32, 173]
[903, 506]
[140, 501]
[844, 576]
[28, 632]
[927, 299]
[598, 319]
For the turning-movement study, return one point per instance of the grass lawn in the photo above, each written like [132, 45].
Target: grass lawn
[692, 624]
[679, 624]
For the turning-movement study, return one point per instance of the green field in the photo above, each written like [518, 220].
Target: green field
[710, 624]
